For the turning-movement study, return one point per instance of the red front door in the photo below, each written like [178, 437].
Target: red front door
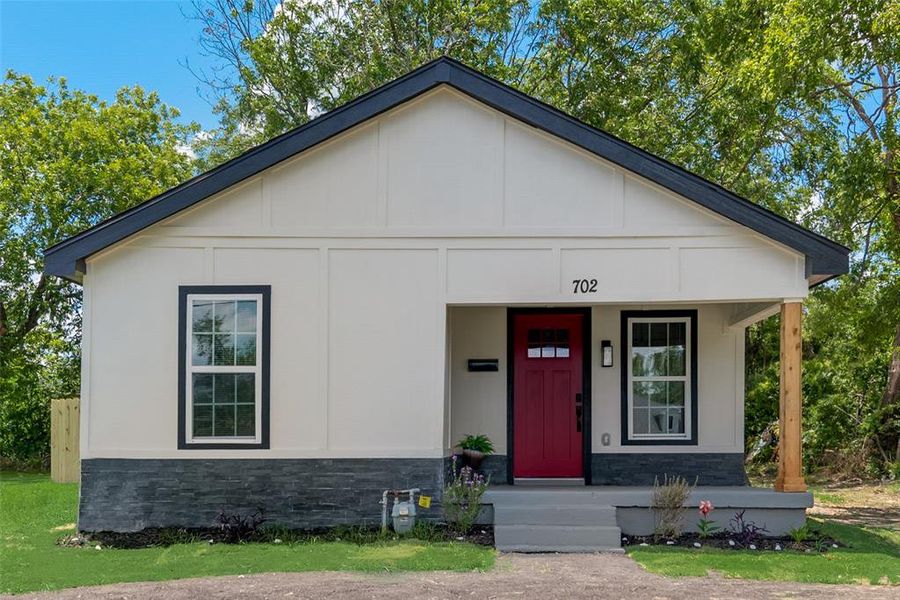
[547, 395]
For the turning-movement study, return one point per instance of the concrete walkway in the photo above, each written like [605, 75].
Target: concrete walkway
[541, 576]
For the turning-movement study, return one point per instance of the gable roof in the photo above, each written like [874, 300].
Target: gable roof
[824, 258]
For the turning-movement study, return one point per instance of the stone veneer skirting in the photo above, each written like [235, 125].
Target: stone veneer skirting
[494, 466]
[642, 469]
[133, 494]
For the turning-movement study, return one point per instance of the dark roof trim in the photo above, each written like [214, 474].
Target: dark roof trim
[823, 256]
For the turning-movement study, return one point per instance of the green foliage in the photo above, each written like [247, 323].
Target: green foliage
[36, 512]
[894, 470]
[462, 497]
[479, 443]
[707, 527]
[68, 161]
[800, 534]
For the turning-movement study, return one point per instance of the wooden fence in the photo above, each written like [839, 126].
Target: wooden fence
[65, 466]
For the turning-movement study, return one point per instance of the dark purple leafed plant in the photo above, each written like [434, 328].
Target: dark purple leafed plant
[236, 527]
[746, 532]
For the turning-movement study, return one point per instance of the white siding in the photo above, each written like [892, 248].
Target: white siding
[365, 240]
[308, 192]
[720, 387]
[478, 400]
[385, 383]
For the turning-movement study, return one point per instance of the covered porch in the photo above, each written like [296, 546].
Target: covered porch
[588, 405]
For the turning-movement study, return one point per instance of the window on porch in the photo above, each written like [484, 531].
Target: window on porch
[659, 383]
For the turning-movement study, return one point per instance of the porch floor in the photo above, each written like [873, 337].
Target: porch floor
[568, 518]
[640, 496]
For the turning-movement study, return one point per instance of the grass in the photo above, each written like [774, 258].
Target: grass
[872, 557]
[829, 498]
[34, 512]
[871, 495]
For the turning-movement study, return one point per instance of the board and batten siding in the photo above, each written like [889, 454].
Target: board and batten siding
[365, 240]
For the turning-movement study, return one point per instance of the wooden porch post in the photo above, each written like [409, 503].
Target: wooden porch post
[790, 470]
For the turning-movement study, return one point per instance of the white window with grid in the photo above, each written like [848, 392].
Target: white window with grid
[659, 378]
[224, 379]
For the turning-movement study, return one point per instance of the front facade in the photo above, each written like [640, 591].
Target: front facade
[326, 316]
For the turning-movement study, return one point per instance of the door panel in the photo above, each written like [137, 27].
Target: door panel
[548, 353]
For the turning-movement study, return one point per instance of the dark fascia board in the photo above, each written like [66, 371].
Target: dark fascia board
[824, 258]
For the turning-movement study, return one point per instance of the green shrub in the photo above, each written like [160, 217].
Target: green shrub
[462, 497]
[478, 443]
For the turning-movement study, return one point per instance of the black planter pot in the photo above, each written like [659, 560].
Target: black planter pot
[473, 458]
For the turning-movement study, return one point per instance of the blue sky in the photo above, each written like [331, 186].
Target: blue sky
[102, 45]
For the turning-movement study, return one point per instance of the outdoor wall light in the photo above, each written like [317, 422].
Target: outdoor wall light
[606, 353]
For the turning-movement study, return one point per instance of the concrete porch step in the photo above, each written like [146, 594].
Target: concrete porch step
[557, 538]
[537, 496]
[592, 515]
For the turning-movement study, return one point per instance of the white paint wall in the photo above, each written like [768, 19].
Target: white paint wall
[478, 400]
[365, 240]
[720, 382]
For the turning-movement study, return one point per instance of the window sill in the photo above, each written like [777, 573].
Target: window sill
[659, 442]
[223, 445]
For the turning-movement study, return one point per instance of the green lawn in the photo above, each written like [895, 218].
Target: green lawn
[34, 512]
[873, 556]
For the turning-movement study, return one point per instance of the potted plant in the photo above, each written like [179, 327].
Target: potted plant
[475, 448]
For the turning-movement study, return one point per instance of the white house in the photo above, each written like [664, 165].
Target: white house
[296, 329]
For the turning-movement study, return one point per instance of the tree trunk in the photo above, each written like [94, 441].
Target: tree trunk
[891, 397]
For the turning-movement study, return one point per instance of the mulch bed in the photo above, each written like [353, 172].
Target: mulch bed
[482, 535]
[728, 541]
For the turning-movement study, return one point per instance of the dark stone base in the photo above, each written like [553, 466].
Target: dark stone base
[643, 469]
[133, 494]
[494, 466]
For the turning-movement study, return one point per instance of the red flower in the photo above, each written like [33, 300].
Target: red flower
[706, 507]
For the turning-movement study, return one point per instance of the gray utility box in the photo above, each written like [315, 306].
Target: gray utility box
[404, 515]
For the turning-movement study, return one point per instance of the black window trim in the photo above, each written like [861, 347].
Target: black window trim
[626, 415]
[183, 291]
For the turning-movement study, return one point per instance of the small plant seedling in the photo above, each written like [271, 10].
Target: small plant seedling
[800, 534]
[705, 525]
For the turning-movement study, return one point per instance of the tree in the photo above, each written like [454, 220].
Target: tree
[839, 61]
[67, 161]
[787, 102]
[284, 62]
[649, 72]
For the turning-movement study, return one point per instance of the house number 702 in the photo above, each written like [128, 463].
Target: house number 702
[583, 286]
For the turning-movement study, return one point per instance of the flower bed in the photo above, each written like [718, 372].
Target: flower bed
[739, 534]
[726, 540]
[167, 536]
